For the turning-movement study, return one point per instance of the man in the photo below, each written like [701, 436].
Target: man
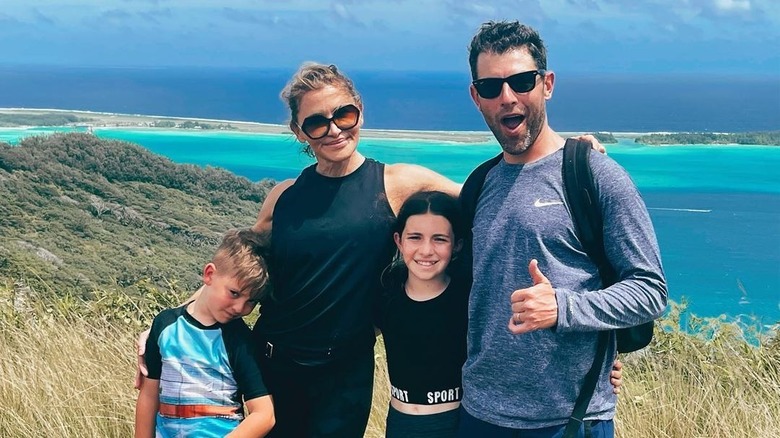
[523, 380]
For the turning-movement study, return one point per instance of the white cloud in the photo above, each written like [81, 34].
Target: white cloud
[733, 5]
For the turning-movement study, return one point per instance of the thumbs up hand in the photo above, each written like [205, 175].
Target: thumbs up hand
[535, 307]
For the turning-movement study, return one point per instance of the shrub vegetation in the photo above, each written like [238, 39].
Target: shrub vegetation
[42, 119]
[80, 213]
[748, 138]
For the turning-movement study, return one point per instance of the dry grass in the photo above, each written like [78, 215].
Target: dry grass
[689, 387]
[65, 377]
[67, 372]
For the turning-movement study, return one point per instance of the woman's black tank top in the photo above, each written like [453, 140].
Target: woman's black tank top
[330, 240]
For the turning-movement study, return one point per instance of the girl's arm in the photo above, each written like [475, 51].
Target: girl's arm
[146, 408]
[260, 420]
[616, 376]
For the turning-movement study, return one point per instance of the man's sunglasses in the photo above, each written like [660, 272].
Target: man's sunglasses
[490, 88]
[318, 126]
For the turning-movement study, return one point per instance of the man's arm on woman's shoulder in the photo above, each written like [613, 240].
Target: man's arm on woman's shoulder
[595, 144]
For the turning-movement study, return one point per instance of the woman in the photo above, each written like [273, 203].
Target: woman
[331, 235]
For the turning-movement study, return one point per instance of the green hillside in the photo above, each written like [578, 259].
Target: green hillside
[80, 213]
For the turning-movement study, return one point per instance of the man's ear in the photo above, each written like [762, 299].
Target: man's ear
[474, 96]
[208, 273]
[549, 84]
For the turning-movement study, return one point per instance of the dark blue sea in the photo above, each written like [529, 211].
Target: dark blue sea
[411, 100]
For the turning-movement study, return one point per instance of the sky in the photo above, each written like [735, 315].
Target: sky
[600, 36]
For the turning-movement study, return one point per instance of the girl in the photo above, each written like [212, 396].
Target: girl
[422, 315]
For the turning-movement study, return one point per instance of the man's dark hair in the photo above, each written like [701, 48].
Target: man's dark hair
[503, 36]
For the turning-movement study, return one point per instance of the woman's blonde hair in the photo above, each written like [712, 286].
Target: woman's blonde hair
[314, 76]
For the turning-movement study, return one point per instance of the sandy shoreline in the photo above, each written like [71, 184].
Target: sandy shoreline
[100, 120]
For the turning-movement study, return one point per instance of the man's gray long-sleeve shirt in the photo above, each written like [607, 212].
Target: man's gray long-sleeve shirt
[532, 380]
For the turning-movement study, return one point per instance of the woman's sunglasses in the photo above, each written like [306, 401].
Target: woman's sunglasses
[490, 88]
[318, 126]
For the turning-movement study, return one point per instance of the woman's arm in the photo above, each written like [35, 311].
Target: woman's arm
[146, 408]
[402, 180]
[265, 217]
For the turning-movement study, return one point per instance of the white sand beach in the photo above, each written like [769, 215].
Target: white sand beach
[102, 120]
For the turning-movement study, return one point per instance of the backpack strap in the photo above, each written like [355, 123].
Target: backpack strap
[582, 199]
[469, 196]
[469, 193]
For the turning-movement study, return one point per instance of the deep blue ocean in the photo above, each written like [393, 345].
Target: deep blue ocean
[411, 100]
[716, 209]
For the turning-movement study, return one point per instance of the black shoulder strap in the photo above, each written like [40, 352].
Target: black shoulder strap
[582, 198]
[469, 196]
[469, 193]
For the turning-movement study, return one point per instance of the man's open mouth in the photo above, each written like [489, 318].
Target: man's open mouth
[512, 121]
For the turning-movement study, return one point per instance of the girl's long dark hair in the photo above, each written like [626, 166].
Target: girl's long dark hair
[433, 202]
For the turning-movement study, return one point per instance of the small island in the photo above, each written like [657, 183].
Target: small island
[60, 118]
[13, 119]
[605, 137]
[745, 138]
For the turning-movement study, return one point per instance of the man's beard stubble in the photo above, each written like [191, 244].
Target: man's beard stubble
[518, 146]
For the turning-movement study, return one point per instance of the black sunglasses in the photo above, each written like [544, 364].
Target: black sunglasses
[318, 126]
[490, 88]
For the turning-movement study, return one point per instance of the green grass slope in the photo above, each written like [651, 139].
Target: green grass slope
[80, 213]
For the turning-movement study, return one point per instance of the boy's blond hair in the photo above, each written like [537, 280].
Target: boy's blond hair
[242, 254]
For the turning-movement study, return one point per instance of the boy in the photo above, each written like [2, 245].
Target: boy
[200, 358]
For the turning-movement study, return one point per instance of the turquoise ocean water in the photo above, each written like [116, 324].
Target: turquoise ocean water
[716, 209]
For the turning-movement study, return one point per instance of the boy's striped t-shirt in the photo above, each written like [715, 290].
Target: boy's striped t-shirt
[203, 373]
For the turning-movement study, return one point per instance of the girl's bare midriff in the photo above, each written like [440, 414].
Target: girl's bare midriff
[413, 409]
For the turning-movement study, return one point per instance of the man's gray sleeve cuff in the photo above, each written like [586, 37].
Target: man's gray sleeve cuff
[566, 306]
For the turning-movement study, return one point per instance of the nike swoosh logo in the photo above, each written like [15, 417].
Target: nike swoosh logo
[540, 203]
